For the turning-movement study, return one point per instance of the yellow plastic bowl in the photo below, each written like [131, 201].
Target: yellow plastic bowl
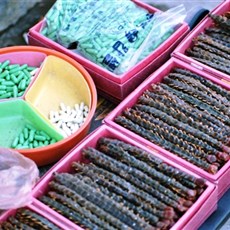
[60, 79]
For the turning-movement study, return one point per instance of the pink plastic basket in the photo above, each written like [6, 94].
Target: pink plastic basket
[221, 178]
[109, 84]
[187, 42]
[194, 216]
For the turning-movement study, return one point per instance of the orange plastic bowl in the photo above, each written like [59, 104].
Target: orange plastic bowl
[53, 152]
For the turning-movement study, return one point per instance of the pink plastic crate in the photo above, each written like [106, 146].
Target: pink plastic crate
[192, 219]
[187, 42]
[110, 84]
[221, 178]
[38, 210]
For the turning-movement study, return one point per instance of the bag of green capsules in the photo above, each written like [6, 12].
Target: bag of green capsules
[112, 35]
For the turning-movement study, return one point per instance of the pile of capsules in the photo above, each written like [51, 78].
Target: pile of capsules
[68, 120]
[213, 46]
[32, 138]
[14, 79]
[27, 219]
[124, 187]
[187, 115]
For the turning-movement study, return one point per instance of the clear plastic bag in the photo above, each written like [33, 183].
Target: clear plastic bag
[115, 36]
[18, 175]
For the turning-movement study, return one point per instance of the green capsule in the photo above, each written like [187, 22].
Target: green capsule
[2, 87]
[20, 75]
[3, 92]
[31, 135]
[1, 70]
[92, 51]
[13, 66]
[23, 147]
[15, 142]
[6, 95]
[86, 45]
[35, 143]
[5, 64]
[52, 141]
[30, 145]
[23, 66]
[15, 91]
[21, 138]
[15, 70]
[46, 142]
[9, 88]
[20, 94]
[27, 73]
[7, 77]
[44, 134]
[39, 137]
[13, 78]
[8, 83]
[26, 133]
[30, 127]
[4, 74]
[22, 84]
[31, 68]
[40, 144]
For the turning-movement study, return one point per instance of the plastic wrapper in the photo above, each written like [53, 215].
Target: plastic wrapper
[18, 175]
[115, 36]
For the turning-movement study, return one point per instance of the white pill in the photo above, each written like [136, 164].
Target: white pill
[82, 106]
[86, 108]
[62, 106]
[76, 106]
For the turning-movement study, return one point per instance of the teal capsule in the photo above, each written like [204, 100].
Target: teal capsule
[39, 137]
[31, 146]
[26, 133]
[5, 64]
[31, 135]
[30, 127]
[52, 141]
[3, 92]
[8, 83]
[92, 51]
[46, 142]
[15, 91]
[86, 45]
[4, 74]
[35, 143]
[2, 87]
[15, 142]
[21, 138]
[6, 95]
[7, 77]
[40, 144]
[22, 84]
[23, 66]
[23, 147]
[20, 94]
[27, 73]
[13, 66]
[44, 134]
[14, 70]
[31, 68]
[13, 78]
[9, 88]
